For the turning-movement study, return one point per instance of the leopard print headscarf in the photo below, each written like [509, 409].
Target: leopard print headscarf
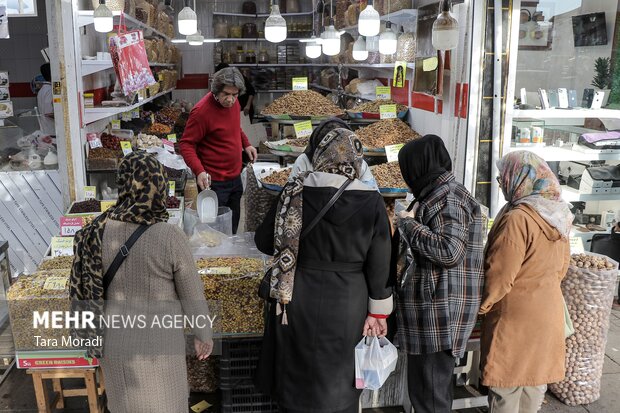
[340, 152]
[142, 186]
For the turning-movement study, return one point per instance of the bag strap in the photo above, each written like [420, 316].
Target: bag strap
[121, 255]
[323, 211]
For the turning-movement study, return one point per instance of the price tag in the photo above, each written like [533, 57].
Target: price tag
[69, 226]
[490, 224]
[55, 283]
[172, 137]
[116, 124]
[90, 192]
[576, 245]
[152, 118]
[216, 271]
[135, 114]
[126, 117]
[172, 186]
[201, 407]
[300, 83]
[93, 140]
[391, 151]
[383, 92]
[400, 70]
[62, 246]
[169, 146]
[303, 129]
[387, 111]
[126, 147]
[105, 205]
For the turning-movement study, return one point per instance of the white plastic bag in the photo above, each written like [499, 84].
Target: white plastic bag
[374, 362]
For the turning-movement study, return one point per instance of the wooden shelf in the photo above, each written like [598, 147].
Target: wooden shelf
[93, 66]
[567, 153]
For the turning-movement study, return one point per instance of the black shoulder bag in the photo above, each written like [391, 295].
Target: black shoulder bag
[264, 289]
[120, 257]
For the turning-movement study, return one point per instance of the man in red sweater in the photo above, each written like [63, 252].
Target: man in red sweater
[213, 141]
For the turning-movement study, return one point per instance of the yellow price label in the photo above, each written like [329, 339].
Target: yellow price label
[116, 124]
[303, 129]
[383, 92]
[387, 112]
[105, 205]
[172, 186]
[126, 117]
[62, 246]
[391, 151]
[490, 223]
[200, 407]
[126, 147]
[300, 83]
[172, 137]
[55, 283]
[216, 271]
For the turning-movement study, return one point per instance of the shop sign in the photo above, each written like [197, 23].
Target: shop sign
[383, 92]
[300, 83]
[126, 147]
[391, 151]
[172, 137]
[93, 140]
[216, 271]
[169, 146]
[201, 407]
[116, 124]
[90, 192]
[105, 205]
[70, 225]
[53, 359]
[62, 246]
[576, 245]
[55, 283]
[387, 111]
[303, 129]
[172, 186]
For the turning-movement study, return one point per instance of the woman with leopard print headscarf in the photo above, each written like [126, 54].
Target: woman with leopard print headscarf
[329, 287]
[145, 368]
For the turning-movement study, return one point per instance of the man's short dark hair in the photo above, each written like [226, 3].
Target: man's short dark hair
[46, 71]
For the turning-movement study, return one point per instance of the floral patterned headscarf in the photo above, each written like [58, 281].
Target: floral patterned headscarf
[339, 152]
[525, 178]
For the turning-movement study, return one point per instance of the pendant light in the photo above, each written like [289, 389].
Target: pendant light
[103, 19]
[330, 39]
[369, 22]
[313, 44]
[196, 39]
[275, 26]
[388, 40]
[445, 29]
[359, 49]
[188, 21]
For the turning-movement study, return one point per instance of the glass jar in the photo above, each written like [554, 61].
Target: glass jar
[227, 57]
[263, 57]
[240, 55]
[236, 32]
[292, 6]
[220, 29]
[249, 31]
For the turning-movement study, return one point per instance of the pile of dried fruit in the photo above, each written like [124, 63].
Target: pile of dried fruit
[278, 178]
[57, 263]
[373, 106]
[588, 289]
[302, 103]
[203, 375]
[234, 287]
[168, 116]
[386, 132]
[82, 207]
[110, 141]
[145, 141]
[388, 175]
[103, 153]
[172, 202]
[299, 142]
[158, 129]
[173, 173]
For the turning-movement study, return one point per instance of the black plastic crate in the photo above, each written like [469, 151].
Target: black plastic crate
[245, 399]
[238, 361]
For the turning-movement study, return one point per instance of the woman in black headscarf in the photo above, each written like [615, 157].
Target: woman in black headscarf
[303, 163]
[145, 368]
[330, 286]
[440, 275]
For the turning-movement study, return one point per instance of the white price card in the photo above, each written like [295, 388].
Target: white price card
[126, 117]
[55, 283]
[116, 124]
[216, 271]
[387, 111]
[391, 151]
[93, 140]
[172, 137]
[62, 246]
[135, 114]
[169, 146]
[70, 225]
[126, 147]
[300, 83]
[576, 245]
[90, 192]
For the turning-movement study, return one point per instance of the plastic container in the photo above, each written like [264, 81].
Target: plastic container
[223, 222]
[239, 360]
[220, 28]
[235, 32]
[249, 30]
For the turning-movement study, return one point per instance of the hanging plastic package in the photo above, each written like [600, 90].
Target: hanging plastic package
[130, 61]
[374, 362]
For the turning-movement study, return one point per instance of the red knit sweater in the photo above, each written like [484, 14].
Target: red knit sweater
[213, 140]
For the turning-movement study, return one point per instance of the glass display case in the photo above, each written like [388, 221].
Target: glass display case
[23, 145]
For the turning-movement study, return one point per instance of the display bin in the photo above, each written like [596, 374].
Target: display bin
[238, 361]
[244, 399]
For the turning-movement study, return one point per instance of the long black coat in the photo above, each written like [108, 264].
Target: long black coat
[309, 364]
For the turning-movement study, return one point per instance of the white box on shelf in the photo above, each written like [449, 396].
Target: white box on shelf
[588, 182]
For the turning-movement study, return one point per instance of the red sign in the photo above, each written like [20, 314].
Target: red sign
[51, 360]
[69, 226]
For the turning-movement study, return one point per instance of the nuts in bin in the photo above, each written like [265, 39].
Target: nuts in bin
[57, 263]
[278, 178]
[92, 205]
[388, 176]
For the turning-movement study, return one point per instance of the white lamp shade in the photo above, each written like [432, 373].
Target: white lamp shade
[445, 32]
[387, 41]
[275, 26]
[331, 41]
[372, 44]
[369, 22]
[313, 49]
[359, 49]
[196, 39]
[103, 19]
[188, 21]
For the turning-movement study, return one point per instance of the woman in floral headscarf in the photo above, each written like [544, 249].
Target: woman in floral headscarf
[330, 286]
[527, 256]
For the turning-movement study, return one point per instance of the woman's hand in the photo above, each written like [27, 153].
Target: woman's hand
[375, 327]
[203, 349]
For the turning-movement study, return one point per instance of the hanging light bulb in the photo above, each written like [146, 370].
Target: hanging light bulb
[275, 26]
[188, 21]
[387, 40]
[372, 44]
[313, 48]
[330, 40]
[196, 39]
[369, 21]
[103, 19]
[359, 49]
[445, 29]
